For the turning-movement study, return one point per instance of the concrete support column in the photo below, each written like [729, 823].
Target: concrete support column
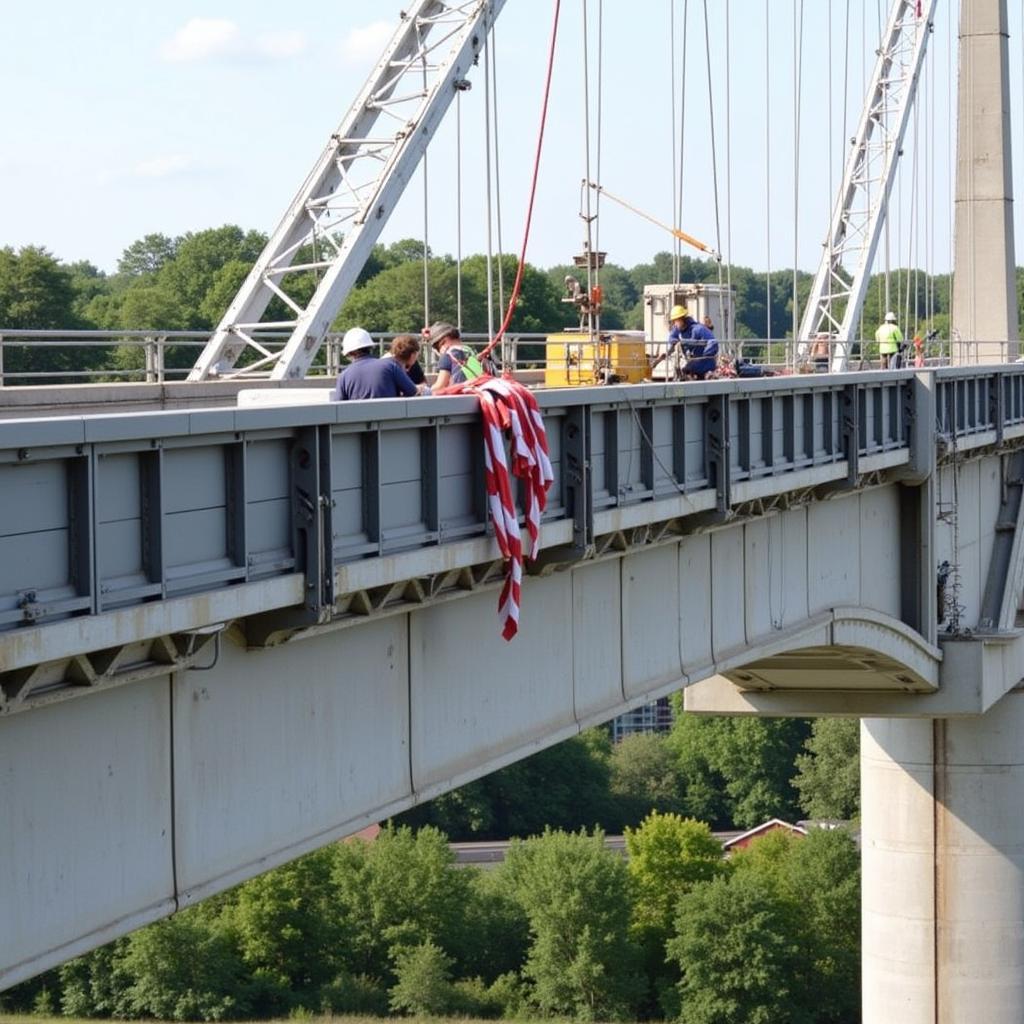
[943, 860]
[984, 278]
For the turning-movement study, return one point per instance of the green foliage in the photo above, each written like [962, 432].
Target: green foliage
[496, 930]
[645, 776]
[565, 786]
[285, 925]
[401, 890]
[828, 775]
[668, 856]
[737, 770]
[356, 994]
[147, 255]
[93, 985]
[183, 969]
[742, 955]
[423, 984]
[581, 962]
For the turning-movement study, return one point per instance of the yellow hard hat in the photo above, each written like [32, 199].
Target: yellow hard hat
[677, 313]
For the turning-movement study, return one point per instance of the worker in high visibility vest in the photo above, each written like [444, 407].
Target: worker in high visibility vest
[889, 338]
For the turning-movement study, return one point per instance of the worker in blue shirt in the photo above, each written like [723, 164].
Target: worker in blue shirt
[695, 341]
[366, 376]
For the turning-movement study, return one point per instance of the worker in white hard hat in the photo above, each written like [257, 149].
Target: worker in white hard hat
[889, 338]
[366, 376]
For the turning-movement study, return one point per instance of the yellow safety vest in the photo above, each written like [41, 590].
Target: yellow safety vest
[888, 337]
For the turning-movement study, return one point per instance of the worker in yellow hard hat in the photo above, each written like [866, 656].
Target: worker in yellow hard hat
[693, 340]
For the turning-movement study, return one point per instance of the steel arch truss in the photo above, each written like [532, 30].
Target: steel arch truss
[333, 222]
[837, 296]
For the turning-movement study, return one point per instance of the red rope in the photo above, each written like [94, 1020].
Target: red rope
[533, 191]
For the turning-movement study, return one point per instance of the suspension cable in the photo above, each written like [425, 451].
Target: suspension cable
[493, 49]
[714, 150]
[682, 130]
[487, 173]
[458, 210]
[728, 170]
[426, 245]
[600, 93]
[798, 53]
[533, 189]
[676, 195]
[767, 179]
[588, 217]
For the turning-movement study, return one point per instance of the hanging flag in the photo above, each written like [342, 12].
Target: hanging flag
[509, 410]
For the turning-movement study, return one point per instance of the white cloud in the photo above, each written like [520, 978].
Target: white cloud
[366, 44]
[280, 45]
[162, 166]
[212, 38]
[201, 39]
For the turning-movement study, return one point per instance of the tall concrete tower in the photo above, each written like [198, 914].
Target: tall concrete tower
[984, 265]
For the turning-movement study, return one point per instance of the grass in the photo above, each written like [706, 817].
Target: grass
[24, 1018]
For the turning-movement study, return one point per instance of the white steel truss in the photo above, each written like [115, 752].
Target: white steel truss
[339, 212]
[837, 296]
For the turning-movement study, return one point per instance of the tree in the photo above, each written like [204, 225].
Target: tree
[35, 290]
[183, 968]
[645, 775]
[581, 960]
[668, 856]
[285, 925]
[399, 891]
[828, 775]
[423, 984]
[737, 770]
[565, 786]
[147, 255]
[742, 955]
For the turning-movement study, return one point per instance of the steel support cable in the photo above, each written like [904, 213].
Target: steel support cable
[682, 129]
[714, 145]
[828, 136]
[676, 193]
[798, 54]
[728, 159]
[487, 172]
[458, 211]
[587, 215]
[426, 246]
[767, 179]
[533, 188]
[600, 122]
[493, 49]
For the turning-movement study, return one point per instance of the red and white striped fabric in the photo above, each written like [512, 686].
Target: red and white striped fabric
[509, 409]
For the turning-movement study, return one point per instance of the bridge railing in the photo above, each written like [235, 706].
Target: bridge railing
[36, 356]
[109, 512]
[981, 404]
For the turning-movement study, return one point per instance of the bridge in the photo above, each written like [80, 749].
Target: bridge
[230, 634]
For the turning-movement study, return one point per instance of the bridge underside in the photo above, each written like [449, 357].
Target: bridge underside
[228, 759]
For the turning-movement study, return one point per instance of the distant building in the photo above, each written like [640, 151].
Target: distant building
[744, 839]
[654, 717]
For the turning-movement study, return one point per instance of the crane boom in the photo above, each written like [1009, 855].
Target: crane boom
[840, 285]
[341, 208]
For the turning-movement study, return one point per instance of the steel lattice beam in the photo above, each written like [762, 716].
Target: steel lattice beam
[351, 191]
[840, 285]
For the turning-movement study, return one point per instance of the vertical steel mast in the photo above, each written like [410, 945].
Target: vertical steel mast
[352, 189]
[837, 296]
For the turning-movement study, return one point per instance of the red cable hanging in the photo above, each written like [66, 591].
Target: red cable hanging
[533, 191]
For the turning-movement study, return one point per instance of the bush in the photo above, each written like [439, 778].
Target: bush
[355, 994]
[423, 986]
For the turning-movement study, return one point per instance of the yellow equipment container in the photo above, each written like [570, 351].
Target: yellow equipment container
[575, 360]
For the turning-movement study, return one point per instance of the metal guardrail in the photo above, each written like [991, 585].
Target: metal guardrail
[114, 511]
[151, 350]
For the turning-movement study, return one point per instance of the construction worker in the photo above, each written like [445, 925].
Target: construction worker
[889, 338]
[693, 340]
[366, 376]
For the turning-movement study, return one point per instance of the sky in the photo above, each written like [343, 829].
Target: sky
[123, 118]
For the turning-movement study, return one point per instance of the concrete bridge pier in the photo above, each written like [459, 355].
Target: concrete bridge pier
[943, 862]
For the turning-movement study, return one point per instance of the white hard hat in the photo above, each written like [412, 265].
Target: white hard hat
[890, 317]
[355, 339]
